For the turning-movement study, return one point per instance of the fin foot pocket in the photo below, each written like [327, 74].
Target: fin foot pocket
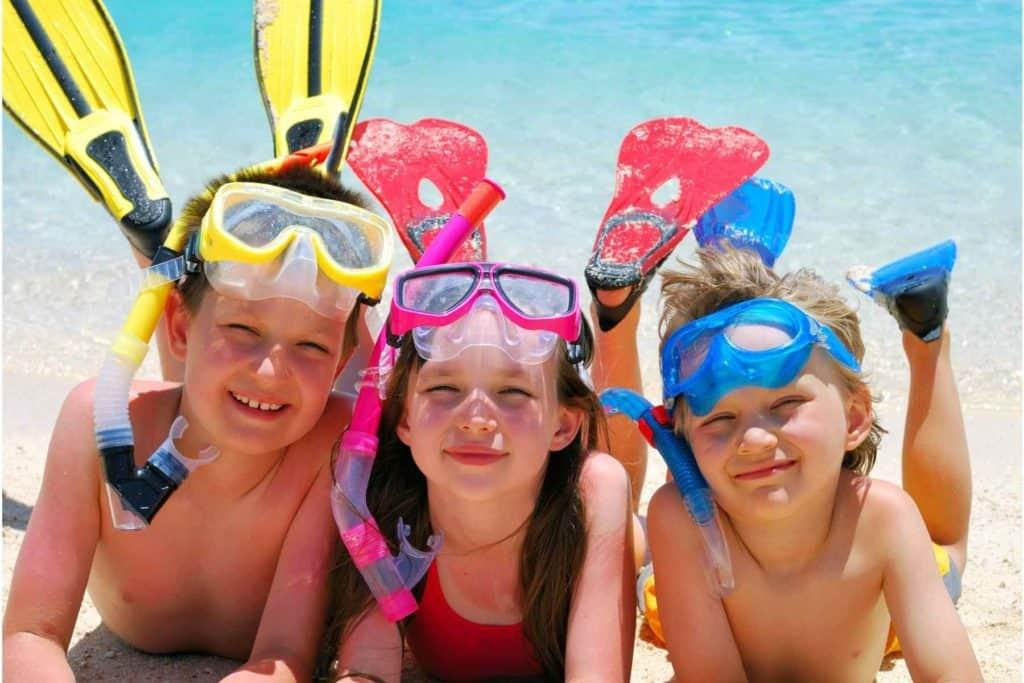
[107, 152]
[921, 306]
[914, 289]
[610, 316]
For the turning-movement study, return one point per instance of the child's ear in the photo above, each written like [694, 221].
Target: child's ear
[402, 428]
[356, 341]
[569, 422]
[176, 320]
[859, 417]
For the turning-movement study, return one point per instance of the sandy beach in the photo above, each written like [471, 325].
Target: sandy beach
[990, 606]
[896, 125]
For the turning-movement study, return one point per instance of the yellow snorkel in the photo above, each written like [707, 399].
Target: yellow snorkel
[136, 494]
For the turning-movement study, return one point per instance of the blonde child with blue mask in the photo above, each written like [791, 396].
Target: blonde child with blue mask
[763, 373]
[486, 441]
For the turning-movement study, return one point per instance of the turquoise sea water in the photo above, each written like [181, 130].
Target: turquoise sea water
[896, 125]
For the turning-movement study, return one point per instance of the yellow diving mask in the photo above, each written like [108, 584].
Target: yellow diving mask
[259, 241]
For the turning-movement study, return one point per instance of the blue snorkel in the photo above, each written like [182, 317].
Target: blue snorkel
[655, 424]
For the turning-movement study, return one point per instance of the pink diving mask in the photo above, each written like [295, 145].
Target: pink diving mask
[533, 309]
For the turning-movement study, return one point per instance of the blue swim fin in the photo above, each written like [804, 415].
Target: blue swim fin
[913, 289]
[757, 215]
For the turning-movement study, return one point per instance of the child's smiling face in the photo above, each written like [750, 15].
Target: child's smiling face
[257, 373]
[481, 425]
[765, 451]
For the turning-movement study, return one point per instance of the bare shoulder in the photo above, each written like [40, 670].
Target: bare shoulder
[604, 486]
[667, 517]
[602, 475]
[883, 510]
[78, 405]
[75, 420]
[152, 406]
[877, 499]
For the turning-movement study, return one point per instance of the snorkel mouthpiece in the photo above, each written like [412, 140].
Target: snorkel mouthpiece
[142, 491]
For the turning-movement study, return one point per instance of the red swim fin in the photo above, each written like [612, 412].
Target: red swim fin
[636, 234]
[392, 159]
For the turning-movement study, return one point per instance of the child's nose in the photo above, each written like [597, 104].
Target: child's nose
[272, 363]
[477, 415]
[757, 439]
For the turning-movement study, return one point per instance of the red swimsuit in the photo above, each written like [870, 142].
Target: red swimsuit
[453, 648]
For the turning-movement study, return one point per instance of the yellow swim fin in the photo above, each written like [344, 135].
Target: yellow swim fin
[313, 60]
[68, 84]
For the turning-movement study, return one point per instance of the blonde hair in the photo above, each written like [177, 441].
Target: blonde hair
[726, 275]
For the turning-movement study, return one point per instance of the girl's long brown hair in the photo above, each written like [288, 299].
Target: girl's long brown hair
[555, 542]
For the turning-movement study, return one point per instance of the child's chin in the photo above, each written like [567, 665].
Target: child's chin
[774, 502]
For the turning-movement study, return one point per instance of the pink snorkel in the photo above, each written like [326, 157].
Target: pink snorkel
[391, 578]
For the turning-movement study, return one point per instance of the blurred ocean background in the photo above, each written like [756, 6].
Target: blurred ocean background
[897, 125]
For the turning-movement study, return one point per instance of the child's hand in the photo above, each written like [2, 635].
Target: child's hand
[374, 645]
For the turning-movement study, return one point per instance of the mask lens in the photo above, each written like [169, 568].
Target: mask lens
[693, 355]
[534, 296]
[759, 336]
[484, 325]
[258, 223]
[438, 293]
[346, 243]
[253, 222]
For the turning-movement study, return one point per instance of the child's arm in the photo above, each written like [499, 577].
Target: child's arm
[933, 639]
[53, 566]
[602, 619]
[700, 643]
[373, 648]
[293, 619]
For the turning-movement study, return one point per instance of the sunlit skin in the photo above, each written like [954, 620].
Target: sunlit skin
[237, 557]
[823, 559]
[276, 352]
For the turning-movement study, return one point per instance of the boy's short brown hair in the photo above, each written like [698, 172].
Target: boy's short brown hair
[727, 276]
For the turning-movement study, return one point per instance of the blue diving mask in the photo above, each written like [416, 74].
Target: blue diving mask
[761, 342]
